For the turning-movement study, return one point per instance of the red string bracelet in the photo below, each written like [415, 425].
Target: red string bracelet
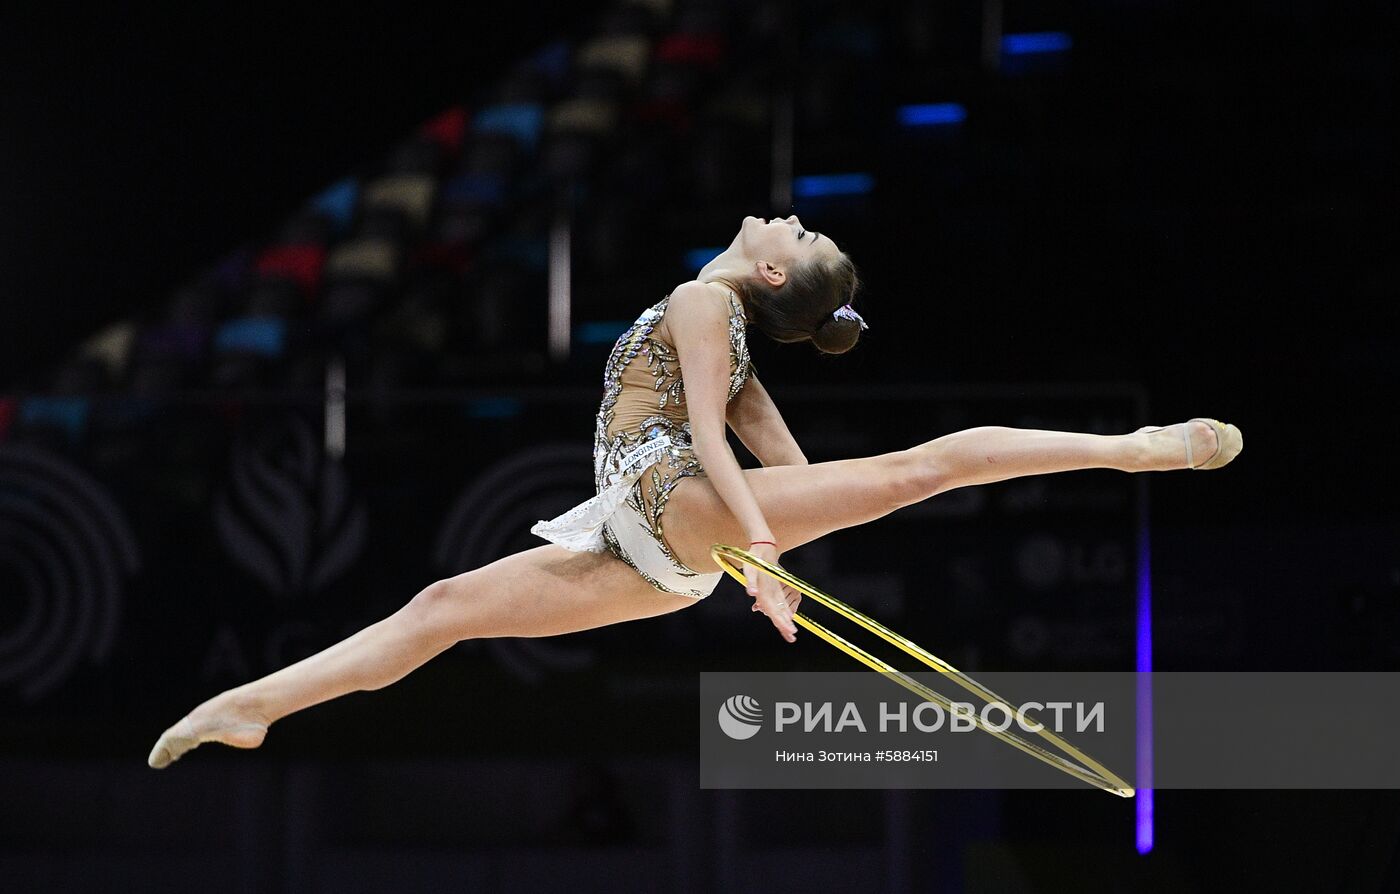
[752, 542]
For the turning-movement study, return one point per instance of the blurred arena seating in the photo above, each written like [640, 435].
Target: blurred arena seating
[429, 266]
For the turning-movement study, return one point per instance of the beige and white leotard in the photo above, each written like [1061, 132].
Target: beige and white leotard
[641, 449]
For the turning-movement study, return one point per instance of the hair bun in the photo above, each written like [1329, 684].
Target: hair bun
[836, 335]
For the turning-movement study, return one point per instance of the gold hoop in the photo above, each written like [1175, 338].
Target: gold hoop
[1093, 772]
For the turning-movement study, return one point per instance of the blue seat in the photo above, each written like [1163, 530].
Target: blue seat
[475, 190]
[68, 415]
[337, 203]
[264, 336]
[519, 120]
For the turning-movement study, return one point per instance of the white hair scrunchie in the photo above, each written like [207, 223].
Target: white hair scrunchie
[845, 312]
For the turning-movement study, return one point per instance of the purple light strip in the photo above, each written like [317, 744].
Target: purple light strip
[1143, 799]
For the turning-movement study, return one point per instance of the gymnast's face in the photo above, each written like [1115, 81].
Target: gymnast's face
[781, 243]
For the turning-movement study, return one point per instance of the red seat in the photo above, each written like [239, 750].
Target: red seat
[299, 263]
[447, 130]
[7, 415]
[695, 49]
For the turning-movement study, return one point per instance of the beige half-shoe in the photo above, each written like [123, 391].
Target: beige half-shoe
[1229, 441]
[180, 738]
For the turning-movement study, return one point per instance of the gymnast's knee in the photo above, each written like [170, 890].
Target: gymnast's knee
[916, 475]
[437, 610]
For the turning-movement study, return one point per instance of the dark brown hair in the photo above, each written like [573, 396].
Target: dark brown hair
[801, 309]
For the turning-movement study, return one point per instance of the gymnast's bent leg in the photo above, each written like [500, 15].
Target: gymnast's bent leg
[543, 591]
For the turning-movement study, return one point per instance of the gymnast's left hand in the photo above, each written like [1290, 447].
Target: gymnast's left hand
[771, 596]
[790, 596]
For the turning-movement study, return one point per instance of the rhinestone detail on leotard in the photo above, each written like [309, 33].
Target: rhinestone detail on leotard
[651, 492]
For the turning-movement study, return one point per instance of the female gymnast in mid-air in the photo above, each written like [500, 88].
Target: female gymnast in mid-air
[673, 381]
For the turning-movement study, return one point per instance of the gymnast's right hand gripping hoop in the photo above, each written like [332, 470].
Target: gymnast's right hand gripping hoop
[732, 559]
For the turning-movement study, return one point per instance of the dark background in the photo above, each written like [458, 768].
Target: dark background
[141, 144]
[1197, 202]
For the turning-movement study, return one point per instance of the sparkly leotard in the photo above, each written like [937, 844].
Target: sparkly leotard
[641, 449]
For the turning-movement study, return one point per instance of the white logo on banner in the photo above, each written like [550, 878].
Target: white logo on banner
[740, 716]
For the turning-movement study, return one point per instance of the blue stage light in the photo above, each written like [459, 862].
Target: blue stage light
[818, 185]
[699, 257]
[1143, 801]
[1038, 42]
[932, 114]
[599, 332]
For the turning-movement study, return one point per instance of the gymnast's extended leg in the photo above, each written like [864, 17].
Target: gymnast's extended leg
[993, 453]
[806, 502]
[542, 591]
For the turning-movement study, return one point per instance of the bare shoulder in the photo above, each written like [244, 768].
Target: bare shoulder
[695, 305]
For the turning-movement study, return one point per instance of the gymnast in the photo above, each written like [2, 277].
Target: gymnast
[672, 383]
